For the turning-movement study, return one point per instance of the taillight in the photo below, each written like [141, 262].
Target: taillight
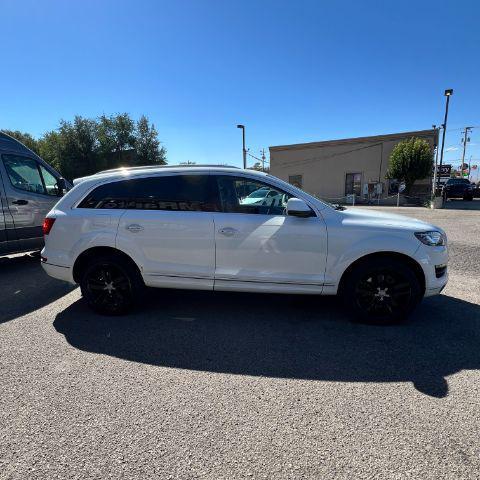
[47, 225]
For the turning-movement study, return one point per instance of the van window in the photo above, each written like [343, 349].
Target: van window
[23, 173]
[171, 192]
[50, 182]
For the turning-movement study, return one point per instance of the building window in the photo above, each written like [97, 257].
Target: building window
[296, 180]
[353, 184]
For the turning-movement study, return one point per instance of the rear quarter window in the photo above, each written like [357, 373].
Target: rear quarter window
[177, 192]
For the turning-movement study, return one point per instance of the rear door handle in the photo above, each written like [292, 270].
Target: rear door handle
[20, 202]
[134, 227]
[228, 231]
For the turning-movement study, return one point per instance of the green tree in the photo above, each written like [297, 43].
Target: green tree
[147, 144]
[116, 135]
[49, 148]
[85, 146]
[78, 147]
[25, 138]
[258, 166]
[410, 160]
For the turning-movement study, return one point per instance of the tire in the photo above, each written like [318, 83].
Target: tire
[381, 291]
[111, 285]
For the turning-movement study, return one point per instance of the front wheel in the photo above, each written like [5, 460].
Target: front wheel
[382, 291]
[110, 285]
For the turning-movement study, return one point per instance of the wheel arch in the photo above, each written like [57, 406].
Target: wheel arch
[411, 262]
[82, 260]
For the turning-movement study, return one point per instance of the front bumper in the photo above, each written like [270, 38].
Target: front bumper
[433, 261]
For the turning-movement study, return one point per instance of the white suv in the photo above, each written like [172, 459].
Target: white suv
[190, 227]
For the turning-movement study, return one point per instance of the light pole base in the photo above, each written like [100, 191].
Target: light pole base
[437, 202]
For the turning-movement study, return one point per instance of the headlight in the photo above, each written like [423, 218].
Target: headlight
[433, 239]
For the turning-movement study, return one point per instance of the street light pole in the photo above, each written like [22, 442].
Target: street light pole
[448, 93]
[244, 150]
[435, 173]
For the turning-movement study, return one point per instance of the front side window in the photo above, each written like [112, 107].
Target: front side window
[243, 195]
[23, 173]
[50, 182]
[177, 192]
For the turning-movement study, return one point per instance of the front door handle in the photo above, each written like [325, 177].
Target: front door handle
[20, 202]
[228, 231]
[134, 228]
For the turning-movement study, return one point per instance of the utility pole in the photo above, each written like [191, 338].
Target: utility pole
[448, 93]
[262, 151]
[465, 140]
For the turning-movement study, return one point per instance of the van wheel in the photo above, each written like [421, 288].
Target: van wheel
[111, 285]
[382, 291]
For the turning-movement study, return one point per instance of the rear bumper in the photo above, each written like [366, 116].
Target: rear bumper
[55, 271]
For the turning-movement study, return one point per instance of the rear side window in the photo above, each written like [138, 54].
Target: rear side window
[178, 192]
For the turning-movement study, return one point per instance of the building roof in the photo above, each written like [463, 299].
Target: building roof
[375, 138]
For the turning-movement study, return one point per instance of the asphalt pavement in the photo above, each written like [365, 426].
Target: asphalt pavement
[226, 386]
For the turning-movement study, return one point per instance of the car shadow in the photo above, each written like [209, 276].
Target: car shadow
[25, 287]
[300, 337]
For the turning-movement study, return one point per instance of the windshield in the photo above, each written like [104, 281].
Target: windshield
[317, 200]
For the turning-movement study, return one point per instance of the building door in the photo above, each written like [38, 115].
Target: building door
[353, 184]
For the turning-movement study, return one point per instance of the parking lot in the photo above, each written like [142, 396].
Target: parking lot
[223, 386]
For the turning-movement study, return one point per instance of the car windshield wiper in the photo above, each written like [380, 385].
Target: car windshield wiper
[336, 206]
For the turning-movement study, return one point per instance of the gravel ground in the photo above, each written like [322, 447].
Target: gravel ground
[227, 386]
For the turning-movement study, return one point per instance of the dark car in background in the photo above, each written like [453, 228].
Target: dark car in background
[458, 188]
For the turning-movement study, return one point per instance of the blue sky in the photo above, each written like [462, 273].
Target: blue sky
[291, 71]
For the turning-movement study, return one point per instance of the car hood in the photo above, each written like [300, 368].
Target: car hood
[375, 218]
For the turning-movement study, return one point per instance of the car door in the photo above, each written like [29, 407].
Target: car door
[30, 193]
[168, 229]
[8, 241]
[259, 247]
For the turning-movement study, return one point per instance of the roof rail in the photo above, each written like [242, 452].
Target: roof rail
[147, 167]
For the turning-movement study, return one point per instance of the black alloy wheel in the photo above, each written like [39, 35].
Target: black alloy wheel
[109, 286]
[382, 291]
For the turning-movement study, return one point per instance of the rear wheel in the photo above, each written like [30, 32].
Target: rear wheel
[111, 285]
[382, 291]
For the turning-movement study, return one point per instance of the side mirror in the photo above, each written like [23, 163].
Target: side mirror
[61, 186]
[298, 208]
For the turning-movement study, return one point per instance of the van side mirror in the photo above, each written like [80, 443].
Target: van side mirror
[61, 186]
[298, 208]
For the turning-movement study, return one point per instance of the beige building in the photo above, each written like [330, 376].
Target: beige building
[336, 168]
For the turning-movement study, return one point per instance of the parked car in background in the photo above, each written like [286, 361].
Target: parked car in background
[476, 190]
[263, 196]
[29, 188]
[186, 227]
[458, 188]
